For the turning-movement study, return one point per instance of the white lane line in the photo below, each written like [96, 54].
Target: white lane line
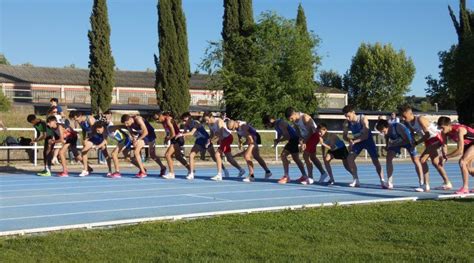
[208, 197]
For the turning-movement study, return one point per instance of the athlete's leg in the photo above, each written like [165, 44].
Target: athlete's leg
[390, 156]
[169, 158]
[62, 155]
[108, 159]
[258, 157]
[352, 165]
[115, 158]
[248, 159]
[436, 161]
[179, 156]
[85, 150]
[212, 153]
[309, 164]
[299, 163]
[152, 151]
[464, 164]
[327, 163]
[418, 167]
[317, 162]
[136, 152]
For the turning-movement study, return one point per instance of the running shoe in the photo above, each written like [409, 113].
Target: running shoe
[389, 186]
[241, 172]
[462, 191]
[83, 173]
[89, 169]
[308, 181]
[44, 173]
[268, 174]
[355, 183]
[190, 176]
[285, 179]
[217, 178]
[384, 185]
[162, 172]
[447, 186]
[115, 175]
[331, 182]
[169, 176]
[249, 179]
[226, 173]
[140, 175]
[302, 179]
[323, 177]
[63, 174]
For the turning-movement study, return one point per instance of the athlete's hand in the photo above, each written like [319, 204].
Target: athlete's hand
[303, 146]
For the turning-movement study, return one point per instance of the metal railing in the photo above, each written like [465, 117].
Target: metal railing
[35, 147]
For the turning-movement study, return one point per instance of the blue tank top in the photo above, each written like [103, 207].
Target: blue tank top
[200, 130]
[394, 135]
[85, 125]
[357, 127]
[339, 143]
[291, 130]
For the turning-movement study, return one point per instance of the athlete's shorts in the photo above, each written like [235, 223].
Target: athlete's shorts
[467, 146]
[312, 143]
[292, 146]
[179, 141]
[224, 145]
[437, 139]
[149, 140]
[369, 145]
[258, 139]
[202, 142]
[398, 149]
[96, 139]
[340, 154]
[126, 143]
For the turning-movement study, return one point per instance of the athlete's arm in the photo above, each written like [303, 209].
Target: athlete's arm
[345, 131]
[143, 128]
[324, 145]
[309, 123]
[424, 123]
[61, 134]
[171, 127]
[460, 149]
[405, 139]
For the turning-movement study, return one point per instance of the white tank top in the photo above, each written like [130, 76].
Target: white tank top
[302, 126]
[215, 129]
[432, 129]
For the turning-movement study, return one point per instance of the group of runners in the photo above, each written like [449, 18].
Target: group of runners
[298, 130]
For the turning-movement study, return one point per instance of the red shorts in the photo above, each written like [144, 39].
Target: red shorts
[224, 145]
[437, 139]
[312, 143]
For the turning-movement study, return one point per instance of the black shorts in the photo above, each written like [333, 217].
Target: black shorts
[258, 139]
[292, 146]
[340, 154]
[179, 141]
[466, 147]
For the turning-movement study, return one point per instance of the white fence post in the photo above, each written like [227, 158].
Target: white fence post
[35, 149]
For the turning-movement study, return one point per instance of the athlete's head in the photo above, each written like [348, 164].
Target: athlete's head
[186, 117]
[53, 110]
[406, 112]
[76, 115]
[32, 119]
[444, 124]
[108, 115]
[382, 126]
[52, 122]
[232, 125]
[207, 117]
[323, 129]
[268, 121]
[99, 127]
[127, 120]
[291, 114]
[349, 112]
[54, 101]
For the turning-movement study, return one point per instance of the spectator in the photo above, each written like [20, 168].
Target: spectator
[55, 102]
[393, 118]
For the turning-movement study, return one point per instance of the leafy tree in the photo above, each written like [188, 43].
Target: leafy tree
[438, 90]
[330, 78]
[379, 77]
[3, 60]
[173, 70]
[101, 61]
[5, 103]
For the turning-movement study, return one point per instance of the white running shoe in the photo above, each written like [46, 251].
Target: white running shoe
[308, 181]
[226, 173]
[217, 178]
[389, 185]
[241, 172]
[190, 176]
[249, 179]
[169, 176]
[55, 161]
[355, 183]
[268, 174]
[420, 189]
[84, 173]
[323, 177]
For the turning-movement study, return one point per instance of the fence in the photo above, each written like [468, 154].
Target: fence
[36, 147]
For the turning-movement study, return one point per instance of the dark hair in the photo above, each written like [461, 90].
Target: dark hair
[186, 115]
[74, 114]
[347, 109]
[107, 112]
[51, 118]
[207, 114]
[444, 121]
[266, 119]
[54, 99]
[125, 118]
[52, 108]
[99, 124]
[381, 124]
[289, 111]
[404, 108]
[323, 126]
[31, 118]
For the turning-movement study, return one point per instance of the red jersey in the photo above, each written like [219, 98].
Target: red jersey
[468, 137]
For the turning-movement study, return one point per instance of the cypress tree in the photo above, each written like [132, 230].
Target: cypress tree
[174, 71]
[101, 61]
[301, 20]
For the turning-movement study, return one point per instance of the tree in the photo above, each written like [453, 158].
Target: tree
[301, 20]
[379, 77]
[460, 77]
[3, 60]
[101, 61]
[173, 70]
[438, 90]
[330, 79]
[276, 77]
[5, 103]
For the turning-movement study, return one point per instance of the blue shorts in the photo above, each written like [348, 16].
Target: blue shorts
[203, 142]
[149, 139]
[369, 145]
[126, 143]
[398, 149]
[96, 140]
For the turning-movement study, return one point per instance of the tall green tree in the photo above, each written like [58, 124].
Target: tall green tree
[173, 68]
[379, 77]
[438, 90]
[460, 78]
[101, 61]
[301, 20]
[3, 60]
[330, 78]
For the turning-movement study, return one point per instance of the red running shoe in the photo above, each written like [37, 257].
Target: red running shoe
[302, 179]
[462, 191]
[116, 175]
[140, 175]
[63, 174]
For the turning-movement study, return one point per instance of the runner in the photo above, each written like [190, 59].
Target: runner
[119, 133]
[224, 138]
[464, 136]
[428, 134]
[361, 139]
[202, 142]
[333, 148]
[68, 138]
[142, 134]
[97, 140]
[309, 139]
[176, 141]
[286, 133]
[253, 140]
[43, 132]
[398, 136]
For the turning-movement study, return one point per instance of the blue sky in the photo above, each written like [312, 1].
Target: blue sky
[53, 33]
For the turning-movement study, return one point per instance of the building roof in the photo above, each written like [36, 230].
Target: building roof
[321, 89]
[72, 76]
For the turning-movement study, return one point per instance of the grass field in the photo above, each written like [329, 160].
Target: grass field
[434, 231]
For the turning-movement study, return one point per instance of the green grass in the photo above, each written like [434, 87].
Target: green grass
[434, 231]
